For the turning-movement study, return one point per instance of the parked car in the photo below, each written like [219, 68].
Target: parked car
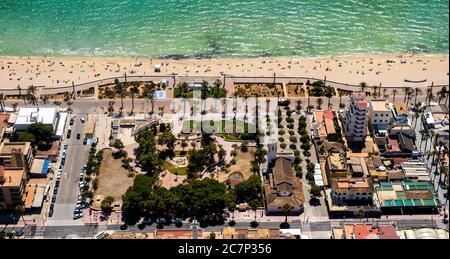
[147, 221]
[78, 136]
[57, 183]
[84, 141]
[53, 198]
[66, 146]
[160, 221]
[71, 121]
[55, 191]
[82, 119]
[77, 215]
[50, 211]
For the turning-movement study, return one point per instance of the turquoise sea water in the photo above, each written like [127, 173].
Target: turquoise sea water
[222, 28]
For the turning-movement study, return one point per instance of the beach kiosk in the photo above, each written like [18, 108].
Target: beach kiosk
[157, 68]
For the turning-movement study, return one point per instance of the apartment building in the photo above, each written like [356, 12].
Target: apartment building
[355, 118]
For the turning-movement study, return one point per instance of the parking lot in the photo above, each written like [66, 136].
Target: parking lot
[67, 185]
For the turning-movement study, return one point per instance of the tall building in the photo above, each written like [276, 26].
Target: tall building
[16, 155]
[12, 186]
[380, 114]
[355, 118]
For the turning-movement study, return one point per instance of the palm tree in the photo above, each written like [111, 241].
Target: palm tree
[430, 95]
[31, 94]
[67, 101]
[363, 86]
[405, 92]
[2, 98]
[319, 102]
[151, 91]
[384, 93]
[424, 134]
[417, 92]
[134, 89]
[45, 99]
[254, 205]
[395, 92]
[120, 89]
[375, 92]
[20, 94]
[217, 85]
[416, 117]
[286, 209]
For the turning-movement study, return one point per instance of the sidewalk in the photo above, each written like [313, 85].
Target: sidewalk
[96, 217]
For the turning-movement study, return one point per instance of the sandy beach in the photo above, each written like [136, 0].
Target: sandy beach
[389, 70]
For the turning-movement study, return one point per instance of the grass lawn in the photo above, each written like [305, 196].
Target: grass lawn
[210, 93]
[175, 170]
[223, 128]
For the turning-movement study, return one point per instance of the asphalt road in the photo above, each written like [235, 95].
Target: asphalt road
[76, 156]
[87, 231]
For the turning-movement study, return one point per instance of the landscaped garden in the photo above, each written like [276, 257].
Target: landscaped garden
[227, 129]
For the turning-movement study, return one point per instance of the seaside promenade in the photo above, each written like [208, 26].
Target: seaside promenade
[59, 75]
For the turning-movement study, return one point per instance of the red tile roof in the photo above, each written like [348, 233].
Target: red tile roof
[388, 232]
[327, 114]
[362, 104]
[4, 117]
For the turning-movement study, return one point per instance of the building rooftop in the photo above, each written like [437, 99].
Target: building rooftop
[351, 185]
[401, 108]
[4, 117]
[7, 148]
[36, 115]
[39, 166]
[53, 151]
[336, 162]
[406, 194]
[284, 187]
[368, 231]
[11, 178]
[362, 104]
[90, 124]
[379, 105]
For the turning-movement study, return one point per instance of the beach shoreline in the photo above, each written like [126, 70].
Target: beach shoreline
[389, 69]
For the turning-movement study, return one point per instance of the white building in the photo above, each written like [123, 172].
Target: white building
[355, 118]
[380, 113]
[28, 116]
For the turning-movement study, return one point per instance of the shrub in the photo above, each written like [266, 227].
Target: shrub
[293, 139]
[283, 145]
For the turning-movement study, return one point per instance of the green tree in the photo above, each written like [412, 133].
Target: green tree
[31, 94]
[286, 209]
[134, 89]
[315, 191]
[244, 146]
[42, 133]
[120, 89]
[26, 137]
[169, 140]
[249, 190]
[106, 204]
[146, 153]
[319, 102]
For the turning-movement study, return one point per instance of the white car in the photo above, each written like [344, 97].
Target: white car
[81, 185]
